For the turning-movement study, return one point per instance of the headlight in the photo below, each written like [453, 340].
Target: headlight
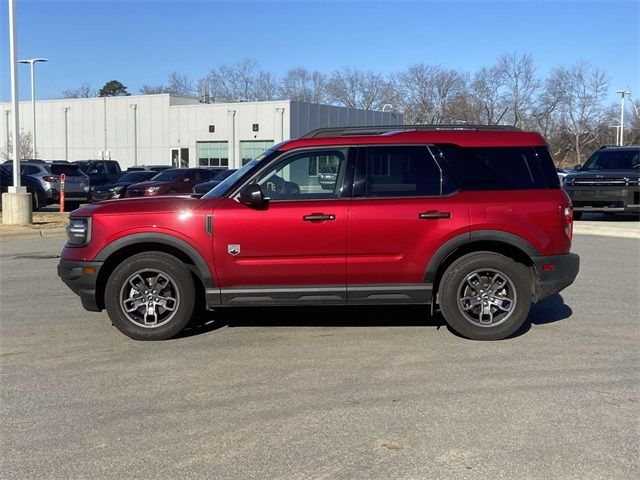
[153, 189]
[78, 232]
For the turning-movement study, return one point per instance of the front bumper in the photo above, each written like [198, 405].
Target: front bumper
[604, 198]
[74, 274]
[554, 273]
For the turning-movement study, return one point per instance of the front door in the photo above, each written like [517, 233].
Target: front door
[291, 251]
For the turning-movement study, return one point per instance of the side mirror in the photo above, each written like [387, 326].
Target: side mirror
[251, 195]
[577, 167]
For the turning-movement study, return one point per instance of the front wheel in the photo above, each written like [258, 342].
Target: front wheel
[150, 296]
[485, 296]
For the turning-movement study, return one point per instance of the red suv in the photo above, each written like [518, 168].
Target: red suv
[171, 182]
[468, 219]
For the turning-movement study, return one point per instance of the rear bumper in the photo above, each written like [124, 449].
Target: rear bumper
[554, 273]
[83, 284]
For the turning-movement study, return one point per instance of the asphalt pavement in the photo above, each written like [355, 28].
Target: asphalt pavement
[352, 393]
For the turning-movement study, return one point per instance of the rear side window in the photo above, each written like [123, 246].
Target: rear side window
[402, 171]
[112, 168]
[500, 168]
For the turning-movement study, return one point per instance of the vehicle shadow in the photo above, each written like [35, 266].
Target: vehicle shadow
[550, 310]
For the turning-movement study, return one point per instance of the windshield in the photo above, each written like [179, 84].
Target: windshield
[136, 176]
[613, 160]
[169, 175]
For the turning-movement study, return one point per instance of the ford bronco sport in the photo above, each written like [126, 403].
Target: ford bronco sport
[471, 220]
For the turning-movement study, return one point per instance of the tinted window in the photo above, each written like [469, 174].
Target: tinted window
[67, 169]
[32, 170]
[500, 168]
[401, 172]
[112, 168]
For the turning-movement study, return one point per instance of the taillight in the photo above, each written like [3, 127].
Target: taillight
[51, 178]
[567, 218]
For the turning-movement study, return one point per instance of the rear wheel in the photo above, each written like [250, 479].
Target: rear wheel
[485, 296]
[35, 201]
[150, 296]
[69, 206]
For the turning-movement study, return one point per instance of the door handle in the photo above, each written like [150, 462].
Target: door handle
[433, 214]
[318, 217]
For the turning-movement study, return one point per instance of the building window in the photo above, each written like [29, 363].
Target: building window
[213, 154]
[250, 149]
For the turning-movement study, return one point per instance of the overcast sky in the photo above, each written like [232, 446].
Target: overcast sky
[141, 41]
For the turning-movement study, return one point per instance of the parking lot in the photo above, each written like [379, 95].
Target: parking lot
[376, 393]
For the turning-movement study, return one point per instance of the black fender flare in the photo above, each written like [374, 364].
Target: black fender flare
[472, 237]
[137, 238]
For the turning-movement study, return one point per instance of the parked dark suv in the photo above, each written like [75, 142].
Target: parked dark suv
[471, 220]
[100, 171]
[606, 183]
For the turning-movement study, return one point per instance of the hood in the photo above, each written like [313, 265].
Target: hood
[105, 186]
[139, 206]
[604, 174]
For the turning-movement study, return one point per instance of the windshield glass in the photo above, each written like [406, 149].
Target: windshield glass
[613, 160]
[136, 176]
[169, 175]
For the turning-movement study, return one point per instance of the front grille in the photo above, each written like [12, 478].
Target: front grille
[598, 203]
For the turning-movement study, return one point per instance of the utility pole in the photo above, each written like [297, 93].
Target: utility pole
[16, 203]
[623, 93]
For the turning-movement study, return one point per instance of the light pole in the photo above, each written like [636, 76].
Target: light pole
[135, 132]
[623, 93]
[32, 62]
[385, 106]
[66, 134]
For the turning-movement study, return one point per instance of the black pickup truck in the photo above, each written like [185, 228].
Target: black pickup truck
[606, 183]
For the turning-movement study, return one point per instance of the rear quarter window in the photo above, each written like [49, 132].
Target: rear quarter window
[501, 168]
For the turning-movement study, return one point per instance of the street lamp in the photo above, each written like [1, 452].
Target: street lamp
[623, 93]
[387, 105]
[32, 62]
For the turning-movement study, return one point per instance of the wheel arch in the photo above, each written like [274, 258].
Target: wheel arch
[117, 251]
[504, 243]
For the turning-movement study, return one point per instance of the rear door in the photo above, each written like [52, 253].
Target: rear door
[403, 210]
[293, 250]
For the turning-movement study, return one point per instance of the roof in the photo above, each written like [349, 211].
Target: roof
[465, 136]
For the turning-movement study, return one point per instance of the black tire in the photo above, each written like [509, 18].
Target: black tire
[577, 215]
[180, 288]
[471, 322]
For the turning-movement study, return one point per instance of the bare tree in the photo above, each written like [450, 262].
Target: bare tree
[266, 87]
[179, 84]
[488, 96]
[152, 89]
[83, 91]
[233, 83]
[25, 150]
[303, 86]
[518, 75]
[430, 94]
[357, 89]
[582, 88]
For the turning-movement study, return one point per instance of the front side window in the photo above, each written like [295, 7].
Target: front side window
[401, 171]
[296, 177]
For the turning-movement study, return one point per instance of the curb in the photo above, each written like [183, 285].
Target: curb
[605, 231]
[58, 232]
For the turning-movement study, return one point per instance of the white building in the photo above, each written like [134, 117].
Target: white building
[171, 129]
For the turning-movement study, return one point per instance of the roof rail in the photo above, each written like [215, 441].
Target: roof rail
[391, 129]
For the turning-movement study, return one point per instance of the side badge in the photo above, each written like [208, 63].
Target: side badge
[233, 249]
